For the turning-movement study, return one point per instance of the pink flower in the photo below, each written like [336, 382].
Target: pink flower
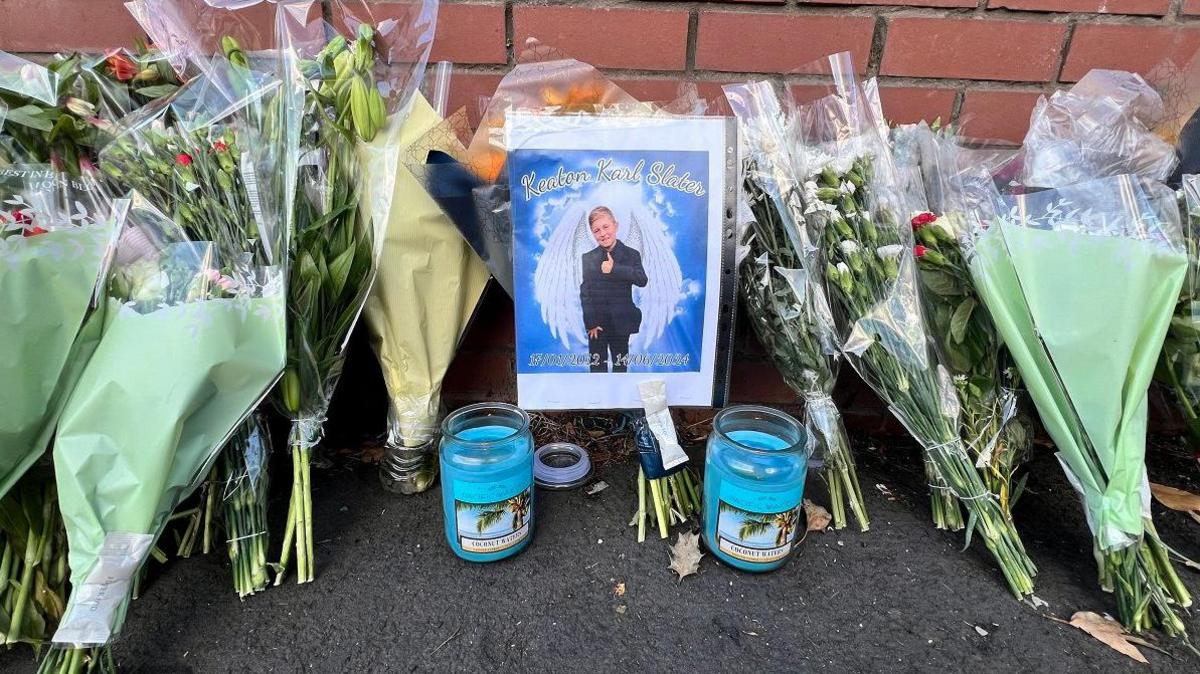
[920, 251]
[183, 159]
[220, 146]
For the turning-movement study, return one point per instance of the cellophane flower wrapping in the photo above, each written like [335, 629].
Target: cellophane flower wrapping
[243, 482]
[420, 306]
[358, 76]
[994, 430]
[1179, 367]
[784, 299]
[856, 215]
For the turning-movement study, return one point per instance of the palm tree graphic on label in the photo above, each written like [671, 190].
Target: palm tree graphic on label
[755, 525]
[488, 515]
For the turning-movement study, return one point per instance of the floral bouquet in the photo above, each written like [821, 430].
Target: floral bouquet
[214, 324]
[784, 300]
[62, 113]
[853, 213]
[1179, 366]
[358, 87]
[994, 430]
[52, 260]
[420, 306]
[1086, 340]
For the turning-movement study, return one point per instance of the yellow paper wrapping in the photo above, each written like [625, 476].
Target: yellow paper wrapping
[429, 283]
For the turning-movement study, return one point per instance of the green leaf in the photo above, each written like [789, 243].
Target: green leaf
[339, 271]
[157, 91]
[960, 319]
[31, 116]
[940, 283]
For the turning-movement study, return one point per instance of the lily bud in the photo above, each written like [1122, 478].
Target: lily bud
[80, 107]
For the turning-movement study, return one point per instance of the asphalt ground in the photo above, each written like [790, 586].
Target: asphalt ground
[585, 596]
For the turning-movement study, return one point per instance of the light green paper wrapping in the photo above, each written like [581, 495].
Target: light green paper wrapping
[1101, 306]
[47, 283]
[428, 285]
[150, 412]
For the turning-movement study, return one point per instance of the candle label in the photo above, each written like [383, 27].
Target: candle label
[492, 516]
[756, 526]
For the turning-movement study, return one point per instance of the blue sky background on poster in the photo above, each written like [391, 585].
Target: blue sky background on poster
[676, 212]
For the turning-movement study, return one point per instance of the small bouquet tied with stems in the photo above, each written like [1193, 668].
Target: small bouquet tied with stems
[1179, 366]
[344, 190]
[784, 300]
[851, 200]
[673, 493]
[242, 493]
[994, 430]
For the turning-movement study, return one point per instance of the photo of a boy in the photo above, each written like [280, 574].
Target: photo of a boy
[610, 272]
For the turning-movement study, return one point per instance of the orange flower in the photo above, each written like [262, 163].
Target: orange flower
[122, 67]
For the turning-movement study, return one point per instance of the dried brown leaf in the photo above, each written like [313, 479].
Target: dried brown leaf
[818, 517]
[1108, 632]
[685, 555]
[1176, 499]
[619, 589]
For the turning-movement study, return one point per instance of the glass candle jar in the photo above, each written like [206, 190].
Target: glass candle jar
[486, 458]
[754, 474]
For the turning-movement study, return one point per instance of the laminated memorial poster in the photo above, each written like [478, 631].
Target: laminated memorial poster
[619, 254]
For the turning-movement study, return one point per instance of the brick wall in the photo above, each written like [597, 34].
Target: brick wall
[980, 62]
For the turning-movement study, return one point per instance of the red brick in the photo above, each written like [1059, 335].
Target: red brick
[648, 39]
[767, 42]
[1149, 7]
[997, 114]
[470, 34]
[910, 3]
[57, 25]
[1135, 48]
[471, 90]
[667, 89]
[481, 376]
[907, 105]
[758, 382]
[979, 49]
[1191, 7]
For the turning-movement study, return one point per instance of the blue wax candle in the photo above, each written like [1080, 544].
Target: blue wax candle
[754, 476]
[486, 457]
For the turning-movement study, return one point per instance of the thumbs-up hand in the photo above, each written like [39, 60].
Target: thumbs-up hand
[607, 265]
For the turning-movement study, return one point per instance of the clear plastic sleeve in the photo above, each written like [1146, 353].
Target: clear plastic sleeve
[1179, 367]
[785, 303]
[1100, 127]
[857, 214]
[244, 495]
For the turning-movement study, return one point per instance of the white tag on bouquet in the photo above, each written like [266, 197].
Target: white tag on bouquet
[96, 602]
[658, 417]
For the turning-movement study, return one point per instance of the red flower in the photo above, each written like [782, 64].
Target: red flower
[220, 146]
[183, 159]
[32, 231]
[122, 67]
[922, 219]
[22, 218]
[920, 250]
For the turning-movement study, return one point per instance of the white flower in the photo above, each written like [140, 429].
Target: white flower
[843, 268]
[846, 187]
[848, 247]
[889, 252]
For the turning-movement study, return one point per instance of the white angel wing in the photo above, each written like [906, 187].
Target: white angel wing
[557, 278]
[664, 287]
